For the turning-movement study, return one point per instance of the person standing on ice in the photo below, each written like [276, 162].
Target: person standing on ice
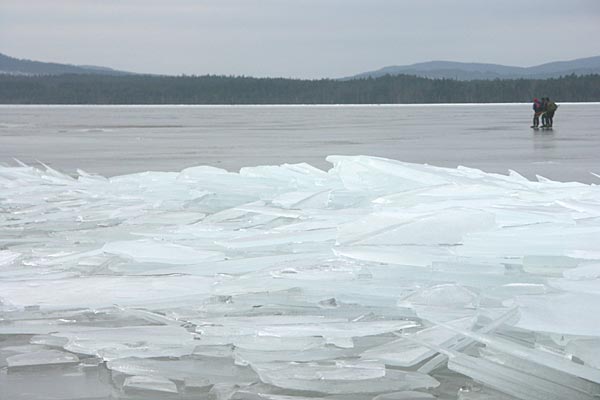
[544, 105]
[549, 113]
[537, 111]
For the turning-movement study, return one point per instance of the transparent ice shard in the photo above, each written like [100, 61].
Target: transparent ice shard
[326, 352]
[303, 199]
[445, 302]
[153, 251]
[554, 361]
[195, 370]
[149, 383]
[422, 256]
[247, 395]
[406, 395]
[521, 385]
[105, 291]
[589, 271]
[341, 377]
[463, 343]
[279, 238]
[41, 358]
[586, 350]
[334, 331]
[563, 313]
[404, 352]
[7, 257]
[397, 228]
[138, 341]
[551, 374]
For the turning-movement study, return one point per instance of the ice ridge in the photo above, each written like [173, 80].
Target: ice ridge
[369, 280]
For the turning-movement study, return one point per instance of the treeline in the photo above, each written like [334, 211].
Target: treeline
[143, 89]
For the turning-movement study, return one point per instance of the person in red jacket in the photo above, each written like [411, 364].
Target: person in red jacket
[538, 109]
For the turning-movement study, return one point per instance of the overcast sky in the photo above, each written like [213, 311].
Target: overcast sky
[296, 38]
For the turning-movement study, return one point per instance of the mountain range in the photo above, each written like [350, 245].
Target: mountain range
[432, 69]
[472, 71]
[16, 66]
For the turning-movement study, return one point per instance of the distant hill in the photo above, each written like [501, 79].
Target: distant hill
[473, 71]
[14, 66]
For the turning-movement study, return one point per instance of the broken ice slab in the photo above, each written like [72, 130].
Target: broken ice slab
[195, 370]
[555, 361]
[442, 302]
[334, 331]
[7, 257]
[563, 313]
[303, 199]
[264, 239]
[222, 391]
[404, 352]
[516, 288]
[56, 382]
[526, 366]
[548, 265]
[256, 392]
[341, 377]
[473, 392]
[326, 352]
[338, 333]
[248, 395]
[445, 295]
[461, 344]
[154, 251]
[241, 326]
[525, 386]
[41, 358]
[35, 321]
[258, 208]
[422, 256]
[585, 271]
[406, 395]
[136, 341]
[588, 286]
[233, 266]
[24, 348]
[360, 173]
[105, 291]
[167, 218]
[390, 227]
[318, 270]
[586, 350]
[149, 383]
[538, 240]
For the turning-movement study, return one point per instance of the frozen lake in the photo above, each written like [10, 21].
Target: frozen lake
[376, 280]
[113, 140]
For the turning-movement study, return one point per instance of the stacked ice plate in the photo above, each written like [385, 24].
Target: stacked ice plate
[375, 280]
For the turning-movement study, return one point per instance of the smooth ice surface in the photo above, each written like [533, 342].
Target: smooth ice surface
[116, 140]
[361, 281]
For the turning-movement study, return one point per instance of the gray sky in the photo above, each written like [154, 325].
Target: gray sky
[296, 38]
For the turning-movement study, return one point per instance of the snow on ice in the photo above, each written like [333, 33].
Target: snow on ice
[289, 282]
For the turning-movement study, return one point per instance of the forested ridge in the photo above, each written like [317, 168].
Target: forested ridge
[145, 89]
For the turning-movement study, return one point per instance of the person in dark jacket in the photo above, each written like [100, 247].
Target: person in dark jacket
[549, 113]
